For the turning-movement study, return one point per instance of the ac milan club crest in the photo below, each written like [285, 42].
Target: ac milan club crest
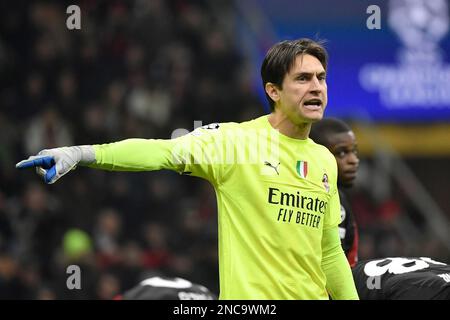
[325, 182]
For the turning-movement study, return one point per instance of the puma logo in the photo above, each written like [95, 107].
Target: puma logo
[267, 163]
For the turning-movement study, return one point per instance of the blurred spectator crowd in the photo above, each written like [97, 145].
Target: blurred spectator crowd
[135, 69]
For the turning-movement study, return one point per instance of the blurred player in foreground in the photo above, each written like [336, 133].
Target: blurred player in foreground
[339, 138]
[402, 278]
[166, 288]
[275, 187]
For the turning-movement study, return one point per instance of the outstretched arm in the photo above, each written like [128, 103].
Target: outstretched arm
[137, 155]
[126, 155]
[192, 154]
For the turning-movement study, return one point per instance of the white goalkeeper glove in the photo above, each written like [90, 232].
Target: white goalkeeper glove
[52, 164]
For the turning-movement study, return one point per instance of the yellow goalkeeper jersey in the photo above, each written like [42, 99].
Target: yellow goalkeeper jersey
[276, 195]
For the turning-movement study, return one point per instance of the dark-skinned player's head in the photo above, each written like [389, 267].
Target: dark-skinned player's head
[339, 138]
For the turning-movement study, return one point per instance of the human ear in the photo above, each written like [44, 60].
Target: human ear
[272, 91]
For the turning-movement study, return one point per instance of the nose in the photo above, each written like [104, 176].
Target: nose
[353, 158]
[315, 86]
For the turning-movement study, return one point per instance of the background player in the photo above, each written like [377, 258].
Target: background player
[402, 278]
[339, 138]
[398, 278]
[167, 288]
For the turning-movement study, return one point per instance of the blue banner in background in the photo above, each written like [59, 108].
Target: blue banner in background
[400, 72]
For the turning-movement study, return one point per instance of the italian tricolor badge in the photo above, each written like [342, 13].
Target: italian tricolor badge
[302, 168]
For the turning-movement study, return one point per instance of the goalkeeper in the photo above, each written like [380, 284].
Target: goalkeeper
[277, 197]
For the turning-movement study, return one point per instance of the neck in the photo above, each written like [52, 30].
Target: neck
[286, 127]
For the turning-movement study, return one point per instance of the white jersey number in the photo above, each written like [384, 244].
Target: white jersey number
[397, 266]
[176, 283]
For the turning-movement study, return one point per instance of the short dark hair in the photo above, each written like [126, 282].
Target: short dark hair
[281, 57]
[323, 129]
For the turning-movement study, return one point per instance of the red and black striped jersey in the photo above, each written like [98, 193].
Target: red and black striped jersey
[348, 230]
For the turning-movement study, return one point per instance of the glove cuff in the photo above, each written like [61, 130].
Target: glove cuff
[87, 154]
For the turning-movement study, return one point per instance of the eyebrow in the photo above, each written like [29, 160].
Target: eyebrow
[344, 147]
[304, 73]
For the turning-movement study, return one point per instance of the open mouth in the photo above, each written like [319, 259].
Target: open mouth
[313, 104]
